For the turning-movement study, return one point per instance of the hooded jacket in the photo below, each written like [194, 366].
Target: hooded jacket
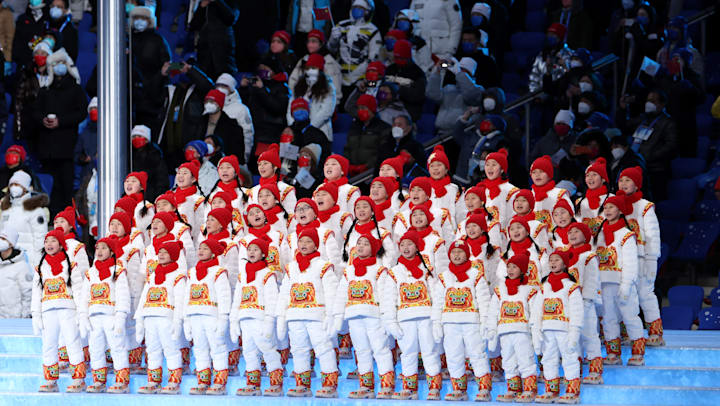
[28, 214]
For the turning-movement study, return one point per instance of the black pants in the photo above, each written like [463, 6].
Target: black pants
[62, 191]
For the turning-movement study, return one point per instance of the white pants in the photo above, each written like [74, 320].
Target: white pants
[518, 356]
[465, 340]
[207, 344]
[101, 337]
[646, 293]
[60, 325]
[590, 338]
[131, 342]
[306, 335]
[254, 343]
[370, 341]
[159, 342]
[614, 311]
[418, 338]
[555, 347]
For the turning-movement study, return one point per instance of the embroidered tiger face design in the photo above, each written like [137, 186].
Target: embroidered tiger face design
[199, 292]
[493, 212]
[635, 227]
[593, 224]
[607, 256]
[55, 286]
[553, 309]
[360, 291]
[543, 216]
[458, 300]
[99, 291]
[157, 295]
[512, 312]
[533, 278]
[414, 294]
[302, 295]
[248, 295]
[575, 273]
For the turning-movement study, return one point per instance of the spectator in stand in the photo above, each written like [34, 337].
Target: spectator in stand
[370, 84]
[369, 139]
[491, 21]
[579, 25]
[409, 77]
[302, 22]
[145, 158]
[316, 45]
[213, 20]
[356, 41]
[559, 140]
[29, 28]
[624, 157]
[59, 109]
[386, 51]
[477, 140]
[403, 132]
[380, 16]
[677, 38]
[553, 61]
[16, 160]
[183, 119]
[655, 137]
[620, 21]
[7, 32]
[149, 53]
[408, 22]
[62, 28]
[386, 94]
[493, 103]
[440, 24]
[234, 108]
[487, 73]
[217, 122]
[645, 33]
[31, 79]
[16, 276]
[302, 133]
[315, 87]
[207, 175]
[86, 146]
[307, 163]
[280, 51]
[450, 84]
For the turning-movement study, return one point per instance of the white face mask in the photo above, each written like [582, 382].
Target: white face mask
[618, 153]
[575, 64]
[56, 12]
[583, 108]
[650, 107]
[4, 245]
[16, 191]
[585, 87]
[210, 108]
[489, 104]
[311, 76]
[140, 24]
[398, 133]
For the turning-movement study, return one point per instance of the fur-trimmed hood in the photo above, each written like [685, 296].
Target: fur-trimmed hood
[35, 201]
[62, 56]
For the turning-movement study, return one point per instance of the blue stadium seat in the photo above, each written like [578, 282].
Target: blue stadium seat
[704, 123]
[709, 318]
[703, 147]
[426, 124]
[697, 242]
[342, 122]
[715, 297]
[511, 62]
[677, 317]
[339, 141]
[671, 232]
[678, 210]
[529, 42]
[424, 137]
[686, 167]
[664, 254]
[535, 21]
[429, 107]
[86, 41]
[687, 295]
[535, 5]
[46, 182]
[685, 189]
[707, 210]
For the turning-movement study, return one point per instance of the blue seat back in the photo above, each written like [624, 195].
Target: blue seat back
[677, 317]
[687, 295]
[709, 318]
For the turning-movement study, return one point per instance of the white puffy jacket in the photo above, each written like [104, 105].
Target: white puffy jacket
[16, 276]
[440, 24]
[235, 109]
[28, 214]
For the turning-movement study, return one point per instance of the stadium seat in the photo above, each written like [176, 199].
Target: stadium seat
[535, 21]
[703, 147]
[426, 124]
[704, 124]
[342, 123]
[715, 297]
[527, 42]
[535, 5]
[707, 210]
[686, 167]
[685, 189]
[671, 232]
[678, 210]
[664, 254]
[339, 141]
[86, 41]
[677, 317]
[687, 295]
[697, 242]
[709, 318]
[429, 107]
[46, 182]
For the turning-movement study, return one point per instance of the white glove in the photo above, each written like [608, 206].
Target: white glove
[573, 338]
[437, 331]
[393, 328]
[269, 327]
[650, 270]
[335, 32]
[624, 292]
[187, 329]
[221, 326]
[454, 66]
[282, 327]
[235, 330]
[492, 339]
[327, 325]
[537, 342]
[37, 324]
[84, 327]
[177, 329]
[139, 330]
[119, 324]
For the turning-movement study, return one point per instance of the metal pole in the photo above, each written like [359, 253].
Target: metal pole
[527, 134]
[113, 112]
[613, 106]
[703, 35]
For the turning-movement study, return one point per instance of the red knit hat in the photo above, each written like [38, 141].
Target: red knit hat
[283, 35]
[377, 66]
[563, 254]
[425, 209]
[222, 215]
[263, 244]
[544, 163]
[18, 149]
[635, 174]
[565, 205]
[59, 235]
[365, 199]
[112, 244]
[168, 197]
[389, 183]
[141, 176]
[501, 157]
[397, 164]
[124, 219]
[618, 201]
[478, 219]
[167, 220]
[367, 101]
[413, 236]
[478, 190]
[599, 167]
[217, 96]
[459, 244]
[315, 61]
[217, 247]
[521, 221]
[173, 248]
[68, 214]
[423, 183]
[272, 155]
[225, 196]
[309, 202]
[299, 103]
[331, 188]
[272, 187]
[558, 29]
[521, 260]
[374, 243]
[192, 166]
[344, 163]
[233, 161]
[397, 34]
[438, 154]
[528, 195]
[402, 49]
[317, 34]
[583, 229]
[312, 234]
[127, 204]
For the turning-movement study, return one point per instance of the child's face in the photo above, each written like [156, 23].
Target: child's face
[131, 185]
[266, 169]
[324, 200]
[576, 237]
[378, 192]
[408, 249]
[363, 211]
[539, 177]
[517, 232]
[52, 245]
[418, 195]
[158, 228]
[418, 219]
[521, 205]
[306, 245]
[437, 170]
[60, 222]
[254, 253]
[387, 171]
[212, 225]
[492, 169]
[102, 251]
[458, 256]
[226, 172]
[332, 170]
[163, 206]
[513, 272]
[593, 180]
[473, 230]
[611, 212]
[164, 257]
[473, 202]
[266, 199]
[256, 217]
[184, 178]
[363, 248]
[204, 253]
[561, 217]
[556, 264]
[304, 213]
[627, 185]
[218, 203]
[116, 228]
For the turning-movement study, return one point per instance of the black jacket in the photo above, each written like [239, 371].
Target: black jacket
[413, 94]
[67, 100]
[367, 144]
[147, 159]
[27, 30]
[487, 74]
[66, 34]
[267, 107]
[149, 52]
[229, 131]
[412, 146]
[661, 147]
[216, 42]
[305, 134]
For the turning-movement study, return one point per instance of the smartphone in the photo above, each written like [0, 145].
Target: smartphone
[444, 65]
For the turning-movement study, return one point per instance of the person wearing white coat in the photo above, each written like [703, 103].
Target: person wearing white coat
[315, 42]
[16, 277]
[235, 109]
[318, 89]
[440, 25]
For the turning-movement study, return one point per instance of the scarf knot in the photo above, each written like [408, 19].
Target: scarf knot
[201, 267]
[556, 280]
[366, 228]
[460, 271]
[541, 192]
[181, 194]
[493, 186]
[103, 267]
[252, 268]
[438, 185]
[158, 241]
[413, 265]
[609, 230]
[521, 246]
[576, 251]
[162, 270]
[272, 180]
[272, 213]
[380, 209]
[304, 260]
[361, 265]
[513, 285]
[476, 244]
[594, 195]
[324, 215]
[56, 262]
[311, 225]
[229, 188]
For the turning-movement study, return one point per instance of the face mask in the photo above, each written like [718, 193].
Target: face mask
[139, 142]
[585, 87]
[468, 47]
[398, 133]
[643, 20]
[301, 115]
[311, 76]
[489, 104]
[650, 107]
[476, 20]
[263, 74]
[40, 60]
[12, 159]
[403, 25]
[60, 69]
[389, 43]
[56, 12]
[673, 35]
[4, 245]
[93, 115]
[129, 7]
[561, 129]
[617, 153]
[357, 13]
[628, 4]
[363, 115]
[16, 191]
[189, 155]
[35, 3]
[583, 108]
[575, 64]
[210, 108]
[140, 24]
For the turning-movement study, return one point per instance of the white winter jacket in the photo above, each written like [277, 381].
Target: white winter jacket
[29, 216]
[16, 277]
[321, 110]
[440, 25]
[235, 109]
[331, 69]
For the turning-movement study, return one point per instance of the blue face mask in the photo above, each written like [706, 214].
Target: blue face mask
[301, 115]
[476, 20]
[35, 3]
[643, 20]
[673, 35]
[60, 69]
[56, 12]
[403, 25]
[389, 43]
[50, 41]
[357, 13]
[468, 47]
[140, 24]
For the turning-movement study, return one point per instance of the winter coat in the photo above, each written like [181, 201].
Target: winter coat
[239, 112]
[440, 24]
[413, 147]
[149, 159]
[541, 72]
[412, 83]
[267, 105]
[216, 41]
[28, 215]
[28, 86]
[67, 100]
[366, 144]
[228, 130]
[451, 96]
[579, 26]
[149, 52]
[357, 44]
[387, 113]
[7, 32]
[297, 10]
[487, 73]
[16, 275]
[551, 143]
[321, 111]
[27, 31]
[331, 69]
[67, 35]
[86, 146]
[661, 147]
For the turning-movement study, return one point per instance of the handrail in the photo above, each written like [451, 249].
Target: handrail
[702, 15]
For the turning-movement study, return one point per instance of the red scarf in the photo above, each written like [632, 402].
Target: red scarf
[56, 262]
[366, 228]
[438, 185]
[229, 188]
[311, 225]
[201, 267]
[380, 209]
[69, 236]
[512, 285]
[137, 196]
[304, 260]
[460, 271]
[493, 186]
[272, 213]
[181, 194]
[428, 202]
[252, 268]
[158, 241]
[609, 230]
[269, 181]
[325, 215]
[556, 280]
[542, 191]
[630, 200]
[576, 251]
[103, 267]
[527, 217]
[162, 270]
[361, 265]
[123, 241]
[413, 265]
[423, 233]
[220, 235]
[260, 232]
[522, 246]
[476, 244]
[337, 182]
[593, 196]
[563, 232]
